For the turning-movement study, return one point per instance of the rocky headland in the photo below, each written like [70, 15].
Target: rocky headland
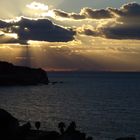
[19, 75]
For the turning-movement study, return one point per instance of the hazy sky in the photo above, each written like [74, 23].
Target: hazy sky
[71, 34]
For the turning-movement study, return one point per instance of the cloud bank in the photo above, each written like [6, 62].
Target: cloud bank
[122, 23]
[112, 23]
[125, 24]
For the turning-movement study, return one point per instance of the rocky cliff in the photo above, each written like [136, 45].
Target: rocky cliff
[20, 75]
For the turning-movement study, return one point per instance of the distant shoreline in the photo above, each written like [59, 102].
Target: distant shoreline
[97, 72]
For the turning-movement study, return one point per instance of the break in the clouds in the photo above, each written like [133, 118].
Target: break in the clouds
[98, 45]
[35, 29]
[37, 6]
[113, 23]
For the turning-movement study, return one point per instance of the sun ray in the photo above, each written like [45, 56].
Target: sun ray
[37, 6]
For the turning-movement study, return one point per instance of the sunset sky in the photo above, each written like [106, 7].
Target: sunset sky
[94, 35]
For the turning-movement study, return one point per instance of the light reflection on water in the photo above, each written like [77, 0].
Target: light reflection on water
[105, 107]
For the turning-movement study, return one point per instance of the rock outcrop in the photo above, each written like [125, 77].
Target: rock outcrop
[8, 125]
[20, 75]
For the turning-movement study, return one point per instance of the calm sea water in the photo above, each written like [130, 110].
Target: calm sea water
[105, 105]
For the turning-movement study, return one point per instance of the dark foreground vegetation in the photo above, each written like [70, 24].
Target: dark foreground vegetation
[10, 129]
[20, 75]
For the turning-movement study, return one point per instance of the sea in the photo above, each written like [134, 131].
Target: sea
[104, 105]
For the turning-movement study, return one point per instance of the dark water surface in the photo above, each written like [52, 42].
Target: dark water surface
[105, 105]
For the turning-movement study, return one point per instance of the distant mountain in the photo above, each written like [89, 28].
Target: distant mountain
[20, 75]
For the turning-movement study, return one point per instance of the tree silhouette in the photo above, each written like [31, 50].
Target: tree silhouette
[37, 125]
[61, 127]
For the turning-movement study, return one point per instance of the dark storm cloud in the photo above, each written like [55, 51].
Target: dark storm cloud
[126, 25]
[38, 30]
[129, 28]
[121, 32]
[118, 31]
[42, 30]
[127, 10]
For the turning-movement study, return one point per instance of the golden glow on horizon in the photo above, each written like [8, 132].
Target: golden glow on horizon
[83, 53]
[104, 54]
